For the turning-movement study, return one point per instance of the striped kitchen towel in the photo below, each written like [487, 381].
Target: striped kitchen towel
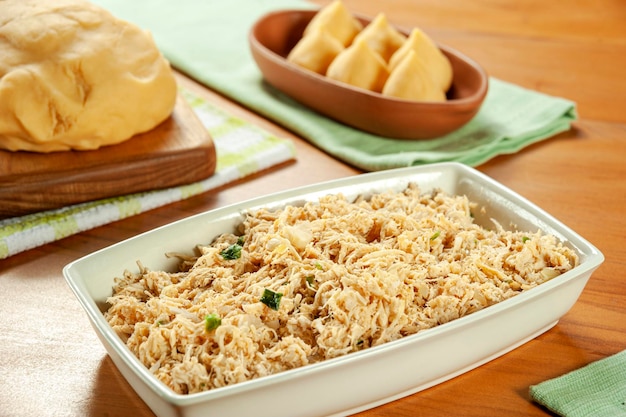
[242, 149]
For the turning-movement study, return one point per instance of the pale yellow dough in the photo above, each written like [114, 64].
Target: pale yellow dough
[72, 76]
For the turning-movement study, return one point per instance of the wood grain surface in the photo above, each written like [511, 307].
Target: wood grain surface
[52, 364]
[177, 151]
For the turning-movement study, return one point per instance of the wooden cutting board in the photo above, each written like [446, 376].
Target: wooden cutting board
[178, 151]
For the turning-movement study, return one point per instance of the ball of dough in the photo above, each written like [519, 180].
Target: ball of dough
[72, 76]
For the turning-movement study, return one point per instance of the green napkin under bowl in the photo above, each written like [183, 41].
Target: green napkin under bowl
[596, 390]
[208, 40]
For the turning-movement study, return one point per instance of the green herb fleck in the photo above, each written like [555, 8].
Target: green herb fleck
[271, 299]
[212, 322]
[525, 239]
[234, 250]
[435, 235]
[310, 280]
[318, 266]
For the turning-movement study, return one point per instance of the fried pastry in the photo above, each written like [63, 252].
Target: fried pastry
[360, 66]
[382, 37]
[437, 63]
[337, 20]
[315, 51]
[411, 79]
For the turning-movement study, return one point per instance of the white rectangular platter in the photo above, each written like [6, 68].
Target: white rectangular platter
[367, 378]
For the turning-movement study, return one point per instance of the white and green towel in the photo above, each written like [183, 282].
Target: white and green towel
[242, 149]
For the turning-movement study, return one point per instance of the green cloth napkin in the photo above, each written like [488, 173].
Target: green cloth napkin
[209, 41]
[598, 389]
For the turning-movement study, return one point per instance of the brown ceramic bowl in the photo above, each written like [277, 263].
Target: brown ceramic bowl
[275, 34]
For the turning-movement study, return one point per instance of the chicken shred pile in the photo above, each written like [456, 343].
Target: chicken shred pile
[352, 275]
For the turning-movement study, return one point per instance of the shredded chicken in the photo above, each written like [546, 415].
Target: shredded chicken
[352, 275]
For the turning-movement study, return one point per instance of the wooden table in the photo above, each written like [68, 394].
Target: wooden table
[52, 364]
